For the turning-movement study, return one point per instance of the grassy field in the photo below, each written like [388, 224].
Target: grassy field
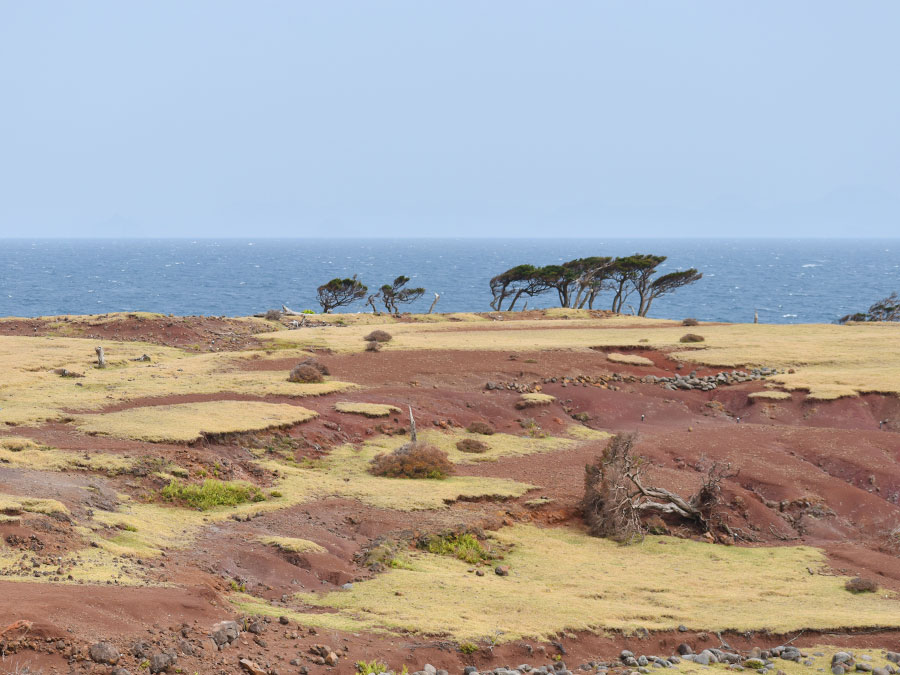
[830, 360]
[366, 409]
[594, 584]
[186, 422]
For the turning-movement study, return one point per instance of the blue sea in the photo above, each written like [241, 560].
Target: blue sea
[785, 281]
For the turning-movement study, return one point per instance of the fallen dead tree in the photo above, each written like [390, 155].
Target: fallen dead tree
[616, 498]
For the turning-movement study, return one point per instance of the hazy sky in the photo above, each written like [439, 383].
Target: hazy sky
[326, 118]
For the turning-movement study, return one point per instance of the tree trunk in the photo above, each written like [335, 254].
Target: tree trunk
[412, 424]
[436, 298]
[101, 359]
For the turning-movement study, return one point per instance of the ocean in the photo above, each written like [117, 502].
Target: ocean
[785, 281]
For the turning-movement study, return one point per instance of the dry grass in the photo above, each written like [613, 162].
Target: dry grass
[499, 445]
[292, 544]
[629, 359]
[367, 409]
[187, 422]
[33, 393]
[830, 360]
[38, 458]
[770, 395]
[13, 504]
[602, 586]
[534, 400]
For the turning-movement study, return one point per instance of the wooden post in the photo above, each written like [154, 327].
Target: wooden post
[412, 427]
[755, 316]
[436, 298]
[101, 359]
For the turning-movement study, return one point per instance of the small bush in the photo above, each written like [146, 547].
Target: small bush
[690, 322]
[465, 547]
[303, 372]
[370, 667]
[373, 347]
[861, 585]
[210, 493]
[413, 460]
[468, 648]
[482, 428]
[321, 367]
[273, 315]
[471, 445]
[691, 337]
[378, 336]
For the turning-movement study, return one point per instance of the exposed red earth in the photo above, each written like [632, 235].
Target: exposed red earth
[813, 472]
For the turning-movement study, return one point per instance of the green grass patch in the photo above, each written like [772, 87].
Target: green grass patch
[211, 493]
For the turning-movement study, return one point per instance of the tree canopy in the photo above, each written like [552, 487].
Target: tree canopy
[340, 292]
[578, 283]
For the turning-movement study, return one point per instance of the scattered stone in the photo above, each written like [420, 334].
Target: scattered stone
[104, 652]
[502, 570]
[251, 667]
[160, 662]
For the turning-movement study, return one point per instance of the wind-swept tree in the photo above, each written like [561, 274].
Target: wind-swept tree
[592, 275]
[886, 309]
[666, 284]
[395, 294]
[515, 282]
[340, 292]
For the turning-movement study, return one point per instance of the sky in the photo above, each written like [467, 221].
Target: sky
[507, 118]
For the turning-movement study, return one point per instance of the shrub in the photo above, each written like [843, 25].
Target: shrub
[861, 585]
[370, 667]
[471, 445]
[691, 337]
[534, 400]
[465, 547]
[210, 493]
[378, 336]
[482, 428]
[321, 367]
[468, 648]
[273, 315]
[373, 347]
[413, 460]
[690, 322]
[304, 372]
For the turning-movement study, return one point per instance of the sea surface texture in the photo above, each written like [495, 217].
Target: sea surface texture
[785, 281]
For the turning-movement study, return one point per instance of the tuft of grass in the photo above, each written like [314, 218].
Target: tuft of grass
[629, 359]
[465, 547]
[14, 504]
[472, 445]
[378, 335]
[371, 667]
[38, 458]
[188, 422]
[770, 395]
[366, 409]
[479, 427]
[16, 444]
[292, 544]
[534, 400]
[861, 585]
[210, 494]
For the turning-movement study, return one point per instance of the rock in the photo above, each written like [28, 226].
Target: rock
[332, 659]
[893, 657]
[841, 657]
[185, 647]
[119, 671]
[470, 670]
[684, 648]
[837, 669]
[881, 671]
[225, 632]
[160, 662]
[502, 570]
[430, 669]
[256, 627]
[682, 628]
[864, 667]
[702, 659]
[251, 667]
[140, 650]
[283, 620]
[625, 654]
[642, 660]
[103, 652]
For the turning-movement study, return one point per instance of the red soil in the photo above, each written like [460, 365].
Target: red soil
[819, 473]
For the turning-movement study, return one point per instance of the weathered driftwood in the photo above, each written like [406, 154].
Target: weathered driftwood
[412, 426]
[436, 298]
[101, 358]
